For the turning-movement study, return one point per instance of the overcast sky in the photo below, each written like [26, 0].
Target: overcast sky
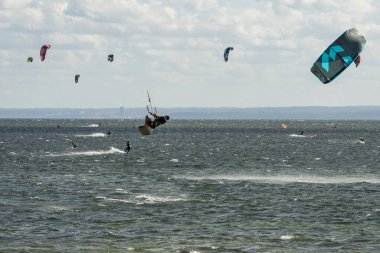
[174, 49]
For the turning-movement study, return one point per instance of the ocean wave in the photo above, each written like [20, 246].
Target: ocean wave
[91, 135]
[287, 179]
[121, 190]
[150, 199]
[142, 199]
[287, 237]
[92, 125]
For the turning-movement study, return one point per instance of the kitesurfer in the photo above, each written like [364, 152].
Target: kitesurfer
[74, 145]
[158, 120]
[301, 133]
[128, 148]
[109, 132]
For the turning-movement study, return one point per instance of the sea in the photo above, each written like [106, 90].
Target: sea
[191, 186]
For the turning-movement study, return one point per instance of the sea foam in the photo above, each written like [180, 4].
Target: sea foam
[287, 179]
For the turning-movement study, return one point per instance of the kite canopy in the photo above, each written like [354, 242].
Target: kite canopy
[227, 52]
[43, 50]
[110, 57]
[77, 78]
[357, 61]
[339, 55]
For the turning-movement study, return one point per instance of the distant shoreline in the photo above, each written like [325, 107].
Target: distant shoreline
[227, 113]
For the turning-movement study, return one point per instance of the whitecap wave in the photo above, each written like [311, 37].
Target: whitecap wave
[287, 237]
[141, 199]
[92, 125]
[150, 199]
[55, 208]
[106, 199]
[287, 179]
[121, 190]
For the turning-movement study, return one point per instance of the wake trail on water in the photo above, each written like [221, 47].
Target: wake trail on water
[284, 179]
[91, 135]
[112, 150]
[301, 136]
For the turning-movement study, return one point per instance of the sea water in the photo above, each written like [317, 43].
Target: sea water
[191, 186]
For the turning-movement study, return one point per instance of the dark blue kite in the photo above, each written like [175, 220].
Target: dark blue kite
[339, 55]
[227, 52]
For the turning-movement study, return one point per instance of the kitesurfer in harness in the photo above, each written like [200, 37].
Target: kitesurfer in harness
[109, 132]
[158, 120]
[301, 133]
[74, 144]
[128, 148]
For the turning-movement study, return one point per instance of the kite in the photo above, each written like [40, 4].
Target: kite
[227, 52]
[339, 55]
[43, 50]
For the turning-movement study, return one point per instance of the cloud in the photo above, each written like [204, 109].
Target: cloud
[178, 45]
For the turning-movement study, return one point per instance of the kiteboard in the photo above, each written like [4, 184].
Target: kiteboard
[144, 130]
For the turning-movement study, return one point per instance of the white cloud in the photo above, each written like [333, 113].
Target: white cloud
[177, 46]
[15, 5]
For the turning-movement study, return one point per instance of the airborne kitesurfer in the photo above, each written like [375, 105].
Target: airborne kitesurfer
[157, 121]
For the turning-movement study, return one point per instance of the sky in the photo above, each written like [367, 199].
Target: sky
[174, 49]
